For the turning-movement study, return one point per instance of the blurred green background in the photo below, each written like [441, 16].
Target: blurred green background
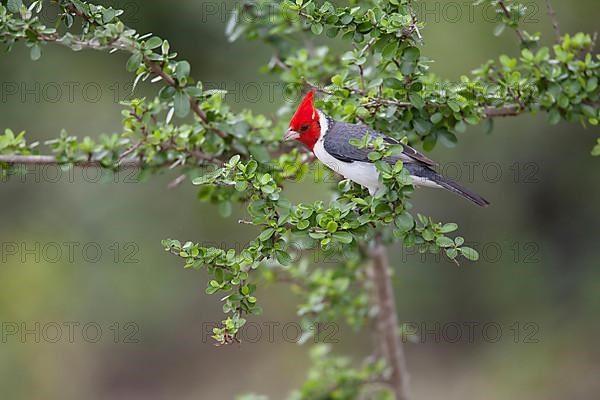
[84, 254]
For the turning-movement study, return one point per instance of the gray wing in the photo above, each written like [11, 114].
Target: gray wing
[336, 143]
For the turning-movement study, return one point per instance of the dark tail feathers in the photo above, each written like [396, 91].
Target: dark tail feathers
[458, 189]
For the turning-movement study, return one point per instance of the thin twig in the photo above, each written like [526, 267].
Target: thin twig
[415, 25]
[508, 15]
[276, 59]
[128, 152]
[554, 19]
[367, 46]
[51, 160]
[176, 182]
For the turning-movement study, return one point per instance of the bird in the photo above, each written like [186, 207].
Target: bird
[329, 140]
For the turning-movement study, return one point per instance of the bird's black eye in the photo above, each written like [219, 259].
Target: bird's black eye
[303, 128]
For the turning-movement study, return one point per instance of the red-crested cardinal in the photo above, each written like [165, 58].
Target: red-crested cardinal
[329, 141]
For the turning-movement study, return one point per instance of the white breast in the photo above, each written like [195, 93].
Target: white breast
[363, 173]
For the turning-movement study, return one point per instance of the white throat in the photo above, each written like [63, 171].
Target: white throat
[323, 123]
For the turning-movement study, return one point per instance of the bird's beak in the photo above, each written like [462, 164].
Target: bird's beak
[290, 135]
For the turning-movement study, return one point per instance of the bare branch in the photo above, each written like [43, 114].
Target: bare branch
[176, 182]
[415, 27]
[554, 19]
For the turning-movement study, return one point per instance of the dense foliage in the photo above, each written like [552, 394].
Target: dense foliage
[382, 79]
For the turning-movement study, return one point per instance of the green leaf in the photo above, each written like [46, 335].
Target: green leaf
[460, 127]
[182, 70]
[36, 52]
[596, 150]
[331, 32]
[337, 80]
[417, 100]
[266, 234]
[374, 156]
[469, 253]
[393, 83]
[447, 228]
[411, 54]
[14, 6]
[343, 237]
[591, 85]
[303, 224]
[452, 253]
[225, 209]
[332, 226]
[436, 118]
[429, 142]
[448, 139]
[134, 62]
[554, 117]
[360, 201]
[283, 258]
[193, 91]
[454, 106]
[316, 28]
[384, 167]
[182, 104]
[428, 234]
[108, 14]
[153, 43]
[207, 178]
[404, 222]
[444, 241]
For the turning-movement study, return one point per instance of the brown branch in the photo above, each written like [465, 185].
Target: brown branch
[387, 321]
[121, 162]
[414, 23]
[51, 160]
[554, 19]
[276, 60]
[506, 111]
[367, 46]
[128, 152]
[508, 15]
[176, 182]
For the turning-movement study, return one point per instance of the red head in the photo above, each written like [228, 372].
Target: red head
[304, 126]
